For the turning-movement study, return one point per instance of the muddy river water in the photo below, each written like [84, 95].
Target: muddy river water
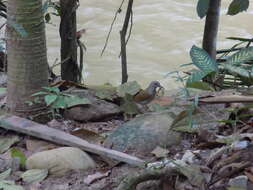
[163, 33]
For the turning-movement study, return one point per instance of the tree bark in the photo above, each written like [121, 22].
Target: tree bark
[69, 65]
[123, 42]
[27, 55]
[211, 28]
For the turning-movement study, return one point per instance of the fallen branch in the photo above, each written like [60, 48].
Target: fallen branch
[31, 128]
[226, 99]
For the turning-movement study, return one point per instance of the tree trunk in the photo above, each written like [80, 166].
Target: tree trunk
[211, 28]
[27, 55]
[69, 65]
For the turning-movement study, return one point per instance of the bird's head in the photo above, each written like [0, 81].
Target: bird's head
[153, 86]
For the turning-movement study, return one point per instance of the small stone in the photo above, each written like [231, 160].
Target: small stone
[238, 183]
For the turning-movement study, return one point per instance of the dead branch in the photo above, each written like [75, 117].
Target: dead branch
[109, 33]
[31, 128]
[226, 99]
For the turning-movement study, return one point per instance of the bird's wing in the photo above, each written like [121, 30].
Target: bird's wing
[141, 96]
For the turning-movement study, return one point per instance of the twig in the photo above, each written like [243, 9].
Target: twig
[63, 61]
[80, 45]
[109, 33]
[2, 25]
[130, 30]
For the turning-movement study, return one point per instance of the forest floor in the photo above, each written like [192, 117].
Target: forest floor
[215, 158]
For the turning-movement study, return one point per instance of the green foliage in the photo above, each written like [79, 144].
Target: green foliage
[9, 185]
[34, 175]
[53, 6]
[202, 60]
[200, 85]
[195, 76]
[16, 153]
[238, 6]
[202, 8]
[235, 7]
[57, 100]
[244, 55]
[5, 174]
[130, 88]
[235, 65]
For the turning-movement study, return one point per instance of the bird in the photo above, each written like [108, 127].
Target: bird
[144, 97]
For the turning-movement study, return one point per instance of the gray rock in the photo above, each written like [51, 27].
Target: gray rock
[61, 160]
[97, 110]
[239, 182]
[144, 133]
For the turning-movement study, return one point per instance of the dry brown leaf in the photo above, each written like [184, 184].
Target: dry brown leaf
[160, 152]
[94, 177]
[249, 175]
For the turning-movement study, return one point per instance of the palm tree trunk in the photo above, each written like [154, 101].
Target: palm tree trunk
[27, 55]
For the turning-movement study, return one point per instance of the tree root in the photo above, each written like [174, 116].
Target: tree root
[131, 181]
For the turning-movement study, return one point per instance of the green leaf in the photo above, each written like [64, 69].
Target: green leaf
[16, 153]
[238, 6]
[49, 99]
[75, 101]
[47, 18]
[52, 89]
[129, 107]
[39, 93]
[245, 54]
[196, 76]
[59, 103]
[237, 70]
[5, 174]
[199, 85]
[45, 6]
[106, 92]
[9, 185]
[3, 90]
[202, 8]
[202, 60]
[34, 175]
[128, 88]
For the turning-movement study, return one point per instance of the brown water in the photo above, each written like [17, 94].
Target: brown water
[163, 33]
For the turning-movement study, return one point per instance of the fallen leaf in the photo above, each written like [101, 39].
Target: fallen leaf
[5, 174]
[35, 145]
[7, 142]
[193, 173]
[34, 175]
[94, 177]
[160, 152]
[249, 175]
[10, 185]
[88, 135]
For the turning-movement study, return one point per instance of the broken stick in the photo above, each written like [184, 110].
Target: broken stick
[31, 128]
